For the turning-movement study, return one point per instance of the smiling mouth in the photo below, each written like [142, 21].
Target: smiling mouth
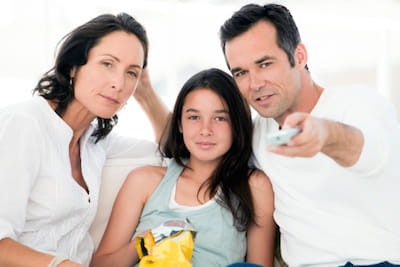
[262, 98]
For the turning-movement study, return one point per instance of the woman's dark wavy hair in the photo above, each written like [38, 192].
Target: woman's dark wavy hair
[288, 36]
[56, 84]
[232, 174]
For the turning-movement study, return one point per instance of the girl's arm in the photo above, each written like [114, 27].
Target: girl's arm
[116, 248]
[261, 236]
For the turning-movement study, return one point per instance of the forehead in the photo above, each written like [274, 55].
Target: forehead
[260, 40]
[204, 98]
[125, 46]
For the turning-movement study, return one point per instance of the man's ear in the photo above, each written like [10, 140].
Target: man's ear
[300, 56]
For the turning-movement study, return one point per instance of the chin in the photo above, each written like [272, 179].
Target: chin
[106, 116]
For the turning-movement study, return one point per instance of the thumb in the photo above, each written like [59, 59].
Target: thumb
[294, 120]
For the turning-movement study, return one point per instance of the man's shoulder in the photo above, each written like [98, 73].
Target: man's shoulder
[263, 124]
[352, 92]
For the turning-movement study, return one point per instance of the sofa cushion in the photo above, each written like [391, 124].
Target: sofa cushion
[114, 174]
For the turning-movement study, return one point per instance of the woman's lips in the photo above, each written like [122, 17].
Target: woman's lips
[110, 100]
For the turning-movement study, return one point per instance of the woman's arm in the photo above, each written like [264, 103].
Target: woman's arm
[19, 167]
[116, 248]
[15, 254]
[261, 235]
[151, 103]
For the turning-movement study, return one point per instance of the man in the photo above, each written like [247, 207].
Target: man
[336, 183]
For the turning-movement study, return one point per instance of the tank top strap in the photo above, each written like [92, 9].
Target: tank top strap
[173, 172]
[161, 195]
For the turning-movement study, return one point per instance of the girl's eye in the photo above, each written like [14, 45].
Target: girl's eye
[193, 117]
[107, 64]
[220, 118]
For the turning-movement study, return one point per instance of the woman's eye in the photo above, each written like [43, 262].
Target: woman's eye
[133, 74]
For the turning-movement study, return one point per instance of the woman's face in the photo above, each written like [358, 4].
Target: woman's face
[110, 76]
[206, 125]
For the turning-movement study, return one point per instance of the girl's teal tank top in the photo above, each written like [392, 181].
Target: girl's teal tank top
[217, 241]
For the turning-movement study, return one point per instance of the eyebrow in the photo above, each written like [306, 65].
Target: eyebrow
[118, 60]
[215, 111]
[258, 61]
[265, 58]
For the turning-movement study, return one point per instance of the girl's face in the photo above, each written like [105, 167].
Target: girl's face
[104, 84]
[205, 125]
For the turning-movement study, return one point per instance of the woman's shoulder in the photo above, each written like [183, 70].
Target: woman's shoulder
[21, 109]
[29, 113]
[22, 115]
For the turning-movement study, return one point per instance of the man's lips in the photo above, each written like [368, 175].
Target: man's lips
[264, 98]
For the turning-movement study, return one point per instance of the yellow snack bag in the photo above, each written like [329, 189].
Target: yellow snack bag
[168, 245]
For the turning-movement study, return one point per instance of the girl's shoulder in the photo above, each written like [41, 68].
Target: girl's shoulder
[259, 179]
[147, 175]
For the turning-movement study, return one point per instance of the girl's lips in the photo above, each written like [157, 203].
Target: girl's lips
[206, 145]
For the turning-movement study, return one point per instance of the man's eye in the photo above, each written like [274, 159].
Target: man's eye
[265, 64]
[239, 73]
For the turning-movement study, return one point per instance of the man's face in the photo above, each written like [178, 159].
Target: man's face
[262, 71]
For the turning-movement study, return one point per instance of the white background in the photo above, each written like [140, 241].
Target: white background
[348, 42]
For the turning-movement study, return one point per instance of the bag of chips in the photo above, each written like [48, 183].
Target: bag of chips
[168, 245]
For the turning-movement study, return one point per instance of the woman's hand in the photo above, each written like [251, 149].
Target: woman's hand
[69, 263]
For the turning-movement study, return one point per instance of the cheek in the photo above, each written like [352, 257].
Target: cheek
[129, 91]
[227, 134]
[243, 88]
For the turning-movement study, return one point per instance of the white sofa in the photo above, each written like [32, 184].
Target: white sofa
[114, 174]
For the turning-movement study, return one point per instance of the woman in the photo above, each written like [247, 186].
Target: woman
[53, 147]
[208, 181]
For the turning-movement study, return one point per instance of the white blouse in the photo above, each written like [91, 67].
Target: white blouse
[41, 205]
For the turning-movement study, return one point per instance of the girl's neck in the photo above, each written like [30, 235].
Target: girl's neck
[199, 171]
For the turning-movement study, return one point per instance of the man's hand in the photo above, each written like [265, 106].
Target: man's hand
[341, 142]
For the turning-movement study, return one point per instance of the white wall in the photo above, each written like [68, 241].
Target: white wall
[349, 42]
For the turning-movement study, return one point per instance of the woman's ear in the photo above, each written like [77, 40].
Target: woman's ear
[301, 56]
[72, 72]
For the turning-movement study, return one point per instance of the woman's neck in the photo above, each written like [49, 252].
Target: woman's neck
[77, 117]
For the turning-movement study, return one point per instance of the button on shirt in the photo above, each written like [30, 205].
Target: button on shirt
[41, 205]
